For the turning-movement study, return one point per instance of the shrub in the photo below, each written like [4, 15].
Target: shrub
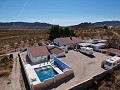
[118, 77]
[5, 66]
[4, 72]
[4, 58]
[40, 44]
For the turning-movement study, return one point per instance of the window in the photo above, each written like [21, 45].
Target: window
[108, 63]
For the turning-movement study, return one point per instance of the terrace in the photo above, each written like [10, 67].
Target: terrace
[44, 74]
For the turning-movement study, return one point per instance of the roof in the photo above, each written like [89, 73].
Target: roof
[84, 44]
[39, 51]
[99, 44]
[87, 48]
[69, 40]
[113, 59]
[56, 50]
[94, 41]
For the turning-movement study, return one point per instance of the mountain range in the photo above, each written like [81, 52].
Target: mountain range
[98, 24]
[39, 25]
[23, 25]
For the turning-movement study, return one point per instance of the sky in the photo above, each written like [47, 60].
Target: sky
[61, 12]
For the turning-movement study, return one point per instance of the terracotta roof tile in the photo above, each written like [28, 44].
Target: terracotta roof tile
[67, 40]
[56, 50]
[39, 51]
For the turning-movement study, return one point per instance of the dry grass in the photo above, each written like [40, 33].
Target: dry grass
[118, 77]
[12, 40]
[110, 82]
[5, 72]
[6, 66]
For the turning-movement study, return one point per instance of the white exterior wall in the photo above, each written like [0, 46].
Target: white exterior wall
[50, 46]
[58, 42]
[39, 59]
[61, 54]
[65, 48]
[29, 54]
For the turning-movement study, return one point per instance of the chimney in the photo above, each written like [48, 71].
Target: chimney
[70, 37]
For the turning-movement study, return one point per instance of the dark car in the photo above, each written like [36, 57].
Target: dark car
[24, 50]
[11, 56]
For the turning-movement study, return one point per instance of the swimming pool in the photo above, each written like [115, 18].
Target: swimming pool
[45, 72]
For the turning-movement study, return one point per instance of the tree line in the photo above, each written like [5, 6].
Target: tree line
[56, 32]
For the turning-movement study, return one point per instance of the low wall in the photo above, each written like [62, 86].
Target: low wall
[67, 73]
[82, 86]
[117, 67]
[100, 76]
[28, 85]
[58, 77]
[44, 84]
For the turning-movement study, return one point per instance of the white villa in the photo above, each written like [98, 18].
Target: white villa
[66, 42]
[38, 54]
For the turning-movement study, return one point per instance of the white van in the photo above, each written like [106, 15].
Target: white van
[86, 50]
[111, 62]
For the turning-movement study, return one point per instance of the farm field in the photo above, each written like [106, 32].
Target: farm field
[13, 39]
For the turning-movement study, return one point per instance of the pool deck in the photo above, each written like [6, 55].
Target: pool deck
[30, 69]
[32, 74]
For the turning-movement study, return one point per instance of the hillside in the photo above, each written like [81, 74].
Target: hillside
[107, 23]
[97, 24]
[23, 25]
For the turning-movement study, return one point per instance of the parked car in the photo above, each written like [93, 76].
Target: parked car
[112, 62]
[11, 56]
[86, 50]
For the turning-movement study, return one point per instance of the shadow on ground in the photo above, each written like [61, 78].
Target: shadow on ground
[90, 56]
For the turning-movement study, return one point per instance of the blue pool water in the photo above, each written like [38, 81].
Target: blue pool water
[45, 72]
